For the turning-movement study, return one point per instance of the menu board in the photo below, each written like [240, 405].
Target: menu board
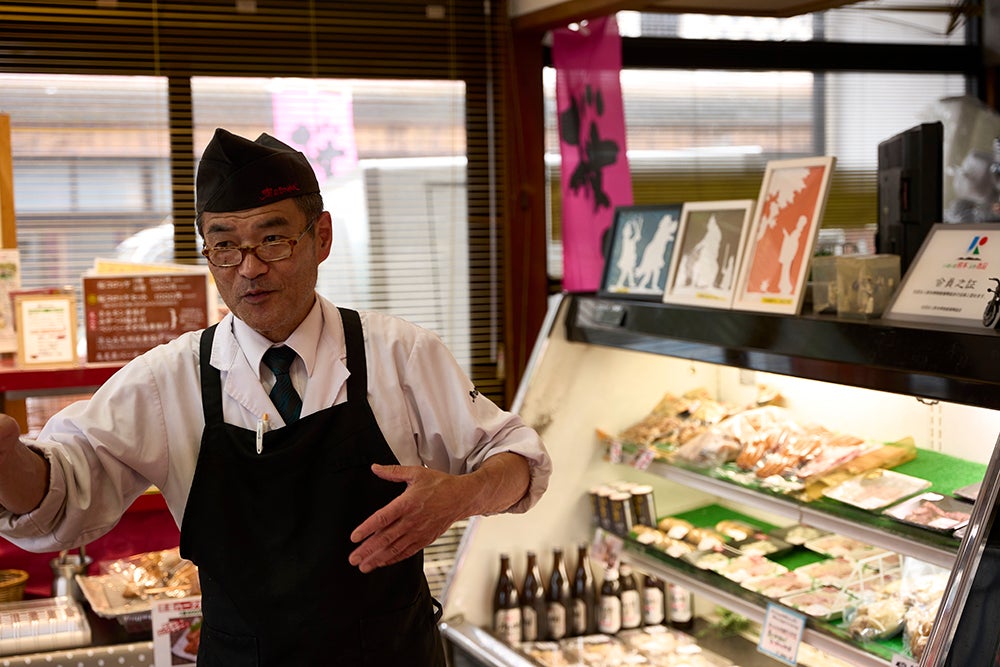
[127, 315]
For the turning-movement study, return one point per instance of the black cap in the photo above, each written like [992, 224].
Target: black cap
[236, 174]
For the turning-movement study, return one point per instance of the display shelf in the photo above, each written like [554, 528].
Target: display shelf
[920, 544]
[482, 645]
[955, 364]
[747, 605]
[18, 382]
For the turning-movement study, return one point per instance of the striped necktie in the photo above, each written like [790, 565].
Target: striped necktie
[283, 394]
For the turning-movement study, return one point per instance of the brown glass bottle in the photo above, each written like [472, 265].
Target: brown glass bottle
[609, 611]
[533, 609]
[557, 601]
[681, 606]
[654, 610]
[631, 600]
[584, 594]
[506, 605]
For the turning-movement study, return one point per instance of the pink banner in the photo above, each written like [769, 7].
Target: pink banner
[319, 123]
[595, 172]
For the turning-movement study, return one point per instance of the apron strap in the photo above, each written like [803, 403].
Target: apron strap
[211, 385]
[354, 338]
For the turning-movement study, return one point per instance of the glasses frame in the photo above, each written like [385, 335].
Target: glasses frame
[248, 249]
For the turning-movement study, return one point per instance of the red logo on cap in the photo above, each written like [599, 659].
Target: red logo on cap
[270, 193]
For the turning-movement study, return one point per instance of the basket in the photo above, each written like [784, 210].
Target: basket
[12, 585]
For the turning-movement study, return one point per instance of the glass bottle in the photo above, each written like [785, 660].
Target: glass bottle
[681, 607]
[506, 605]
[654, 610]
[557, 598]
[533, 609]
[631, 600]
[609, 614]
[584, 594]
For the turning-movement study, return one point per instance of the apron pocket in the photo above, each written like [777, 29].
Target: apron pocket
[221, 649]
[408, 636]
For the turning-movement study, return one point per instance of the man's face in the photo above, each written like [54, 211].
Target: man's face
[272, 298]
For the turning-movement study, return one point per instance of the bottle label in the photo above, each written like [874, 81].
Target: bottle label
[529, 624]
[680, 604]
[631, 609]
[609, 617]
[652, 606]
[579, 617]
[557, 620]
[507, 625]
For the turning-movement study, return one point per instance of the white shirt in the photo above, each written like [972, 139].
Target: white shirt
[143, 426]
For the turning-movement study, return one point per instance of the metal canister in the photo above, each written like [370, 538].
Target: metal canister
[643, 505]
[600, 496]
[622, 514]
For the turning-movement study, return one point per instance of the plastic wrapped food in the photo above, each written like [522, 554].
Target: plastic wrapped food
[879, 619]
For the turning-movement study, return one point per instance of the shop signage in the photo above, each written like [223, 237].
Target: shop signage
[781, 634]
[176, 632]
[950, 279]
[127, 315]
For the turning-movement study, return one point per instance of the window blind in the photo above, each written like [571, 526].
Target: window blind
[111, 103]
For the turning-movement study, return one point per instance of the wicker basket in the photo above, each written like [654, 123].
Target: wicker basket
[12, 585]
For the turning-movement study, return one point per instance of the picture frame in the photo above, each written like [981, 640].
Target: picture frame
[46, 330]
[705, 263]
[786, 222]
[639, 251]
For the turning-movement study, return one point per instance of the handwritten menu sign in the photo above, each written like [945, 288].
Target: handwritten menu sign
[781, 634]
[127, 315]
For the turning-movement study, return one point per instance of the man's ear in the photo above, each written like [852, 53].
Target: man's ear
[324, 236]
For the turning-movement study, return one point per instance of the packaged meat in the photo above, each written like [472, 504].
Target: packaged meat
[826, 603]
[877, 489]
[933, 511]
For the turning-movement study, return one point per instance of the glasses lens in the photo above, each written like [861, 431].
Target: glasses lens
[271, 252]
[225, 256]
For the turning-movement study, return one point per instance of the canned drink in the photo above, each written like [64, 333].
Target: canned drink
[643, 505]
[622, 515]
[604, 508]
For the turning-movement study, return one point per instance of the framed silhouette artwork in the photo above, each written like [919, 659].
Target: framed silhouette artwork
[786, 222]
[639, 250]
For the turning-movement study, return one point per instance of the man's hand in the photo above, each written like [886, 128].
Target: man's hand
[431, 503]
[24, 475]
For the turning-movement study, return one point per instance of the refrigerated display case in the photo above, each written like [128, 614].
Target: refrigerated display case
[602, 363]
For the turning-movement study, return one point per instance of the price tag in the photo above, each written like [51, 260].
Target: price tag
[615, 451]
[903, 661]
[781, 634]
[644, 459]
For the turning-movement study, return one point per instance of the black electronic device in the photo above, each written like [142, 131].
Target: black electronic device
[910, 184]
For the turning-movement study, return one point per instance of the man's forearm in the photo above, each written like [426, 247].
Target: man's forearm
[24, 478]
[501, 481]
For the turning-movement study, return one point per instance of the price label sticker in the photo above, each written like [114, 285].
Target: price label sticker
[644, 459]
[615, 451]
[903, 661]
[781, 634]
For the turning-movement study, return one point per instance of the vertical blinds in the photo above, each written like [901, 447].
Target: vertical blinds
[111, 103]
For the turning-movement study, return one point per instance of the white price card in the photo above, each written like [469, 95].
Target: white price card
[645, 457]
[176, 631]
[781, 634]
[903, 661]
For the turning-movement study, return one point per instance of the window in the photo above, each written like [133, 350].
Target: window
[699, 134]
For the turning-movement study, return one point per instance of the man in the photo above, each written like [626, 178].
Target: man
[306, 493]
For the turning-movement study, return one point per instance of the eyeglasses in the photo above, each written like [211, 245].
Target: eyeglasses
[272, 251]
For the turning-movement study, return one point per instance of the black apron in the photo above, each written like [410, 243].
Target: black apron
[270, 534]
